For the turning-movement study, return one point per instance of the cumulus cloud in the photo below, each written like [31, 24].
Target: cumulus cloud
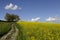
[12, 7]
[9, 6]
[15, 7]
[52, 19]
[35, 19]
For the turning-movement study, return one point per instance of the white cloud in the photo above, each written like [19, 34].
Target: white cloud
[52, 19]
[15, 7]
[9, 6]
[12, 7]
[35, 19]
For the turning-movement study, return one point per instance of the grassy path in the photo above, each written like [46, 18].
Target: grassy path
[12, 34]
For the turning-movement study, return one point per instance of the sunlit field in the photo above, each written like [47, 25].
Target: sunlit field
[33, 30]
[38, 31]
[4, 28]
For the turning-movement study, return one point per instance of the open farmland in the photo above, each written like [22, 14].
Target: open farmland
[38, 31]
[33, 30]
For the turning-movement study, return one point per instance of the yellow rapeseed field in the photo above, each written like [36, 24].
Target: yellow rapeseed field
[38, 31]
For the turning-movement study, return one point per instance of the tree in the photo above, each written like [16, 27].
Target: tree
[11, 17]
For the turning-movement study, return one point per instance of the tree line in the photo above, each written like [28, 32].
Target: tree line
[11, 17]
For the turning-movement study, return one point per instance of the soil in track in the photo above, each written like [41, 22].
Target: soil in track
[12, 34]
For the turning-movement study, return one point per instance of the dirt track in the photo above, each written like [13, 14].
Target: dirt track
[12, 34]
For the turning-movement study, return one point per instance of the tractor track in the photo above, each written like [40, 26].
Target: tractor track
[12, 34]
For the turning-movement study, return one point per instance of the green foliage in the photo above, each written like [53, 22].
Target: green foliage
[38, 31]
[4, 28]
[11, 17]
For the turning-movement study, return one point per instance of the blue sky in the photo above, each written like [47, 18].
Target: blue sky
[31, 8]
